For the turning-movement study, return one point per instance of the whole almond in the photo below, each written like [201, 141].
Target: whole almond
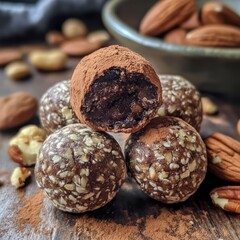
[176, 36]
[79, 47]
[16, 109]
[17, 70]
[192, 22]
[218, 13]
[223, 156]
[8, 55]
[227, 198]
[214, 36]
[55, 38]
[165, 15]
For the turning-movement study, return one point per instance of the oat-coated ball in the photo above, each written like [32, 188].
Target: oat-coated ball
[167, 159]
[55, 110]
[79, 169]
[180, 99]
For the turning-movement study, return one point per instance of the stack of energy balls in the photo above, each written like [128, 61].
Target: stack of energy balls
[81, 167]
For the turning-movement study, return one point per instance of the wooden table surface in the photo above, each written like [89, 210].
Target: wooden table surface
[27, 214]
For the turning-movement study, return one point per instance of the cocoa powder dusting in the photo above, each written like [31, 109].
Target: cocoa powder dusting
[166, 226]
[173, 225]
[153, 134]
[30, 211]
[101, 229]
[21, 193]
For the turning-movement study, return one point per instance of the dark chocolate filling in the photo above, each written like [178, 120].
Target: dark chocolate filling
[120, 99]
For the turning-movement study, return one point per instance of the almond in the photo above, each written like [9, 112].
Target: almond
[55, 38]
[16, 109]
[223, 156]
[176, 36]
[9, 55]
[79, 47]
[227, 198]
[214, 36]
[165, 15]
[192, 22]
[218, 13]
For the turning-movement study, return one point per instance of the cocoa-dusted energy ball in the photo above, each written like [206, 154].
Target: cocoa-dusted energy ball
[167, 159]
[79, 169]
[55, 110]
[115, 90]
[180, 99]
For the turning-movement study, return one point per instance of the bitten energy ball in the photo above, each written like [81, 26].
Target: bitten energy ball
[115, 90]
[167, 159]
[180, 99]
[80, 170]
[55, 109]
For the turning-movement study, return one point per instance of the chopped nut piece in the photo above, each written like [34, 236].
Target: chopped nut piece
[19, 175]
[209, 107]
[25, 145]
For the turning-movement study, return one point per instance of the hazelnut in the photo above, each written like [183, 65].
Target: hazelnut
[19, 175]
[73, 28]
[23, 147]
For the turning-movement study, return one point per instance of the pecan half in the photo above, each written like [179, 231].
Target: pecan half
[223, 156]
[227, 198]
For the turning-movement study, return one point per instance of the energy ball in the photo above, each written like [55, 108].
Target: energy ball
[180, 99]
[167, 159]
[55, 110]
[115, 90]
[79, 169]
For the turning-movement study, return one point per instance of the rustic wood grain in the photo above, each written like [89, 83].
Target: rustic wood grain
[132, 214]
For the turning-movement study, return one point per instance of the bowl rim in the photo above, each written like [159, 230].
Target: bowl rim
[117, 26]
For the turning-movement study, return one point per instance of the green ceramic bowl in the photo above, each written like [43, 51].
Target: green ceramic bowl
[215, 70]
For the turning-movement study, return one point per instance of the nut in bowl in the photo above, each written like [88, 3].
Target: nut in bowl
[211, 69]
